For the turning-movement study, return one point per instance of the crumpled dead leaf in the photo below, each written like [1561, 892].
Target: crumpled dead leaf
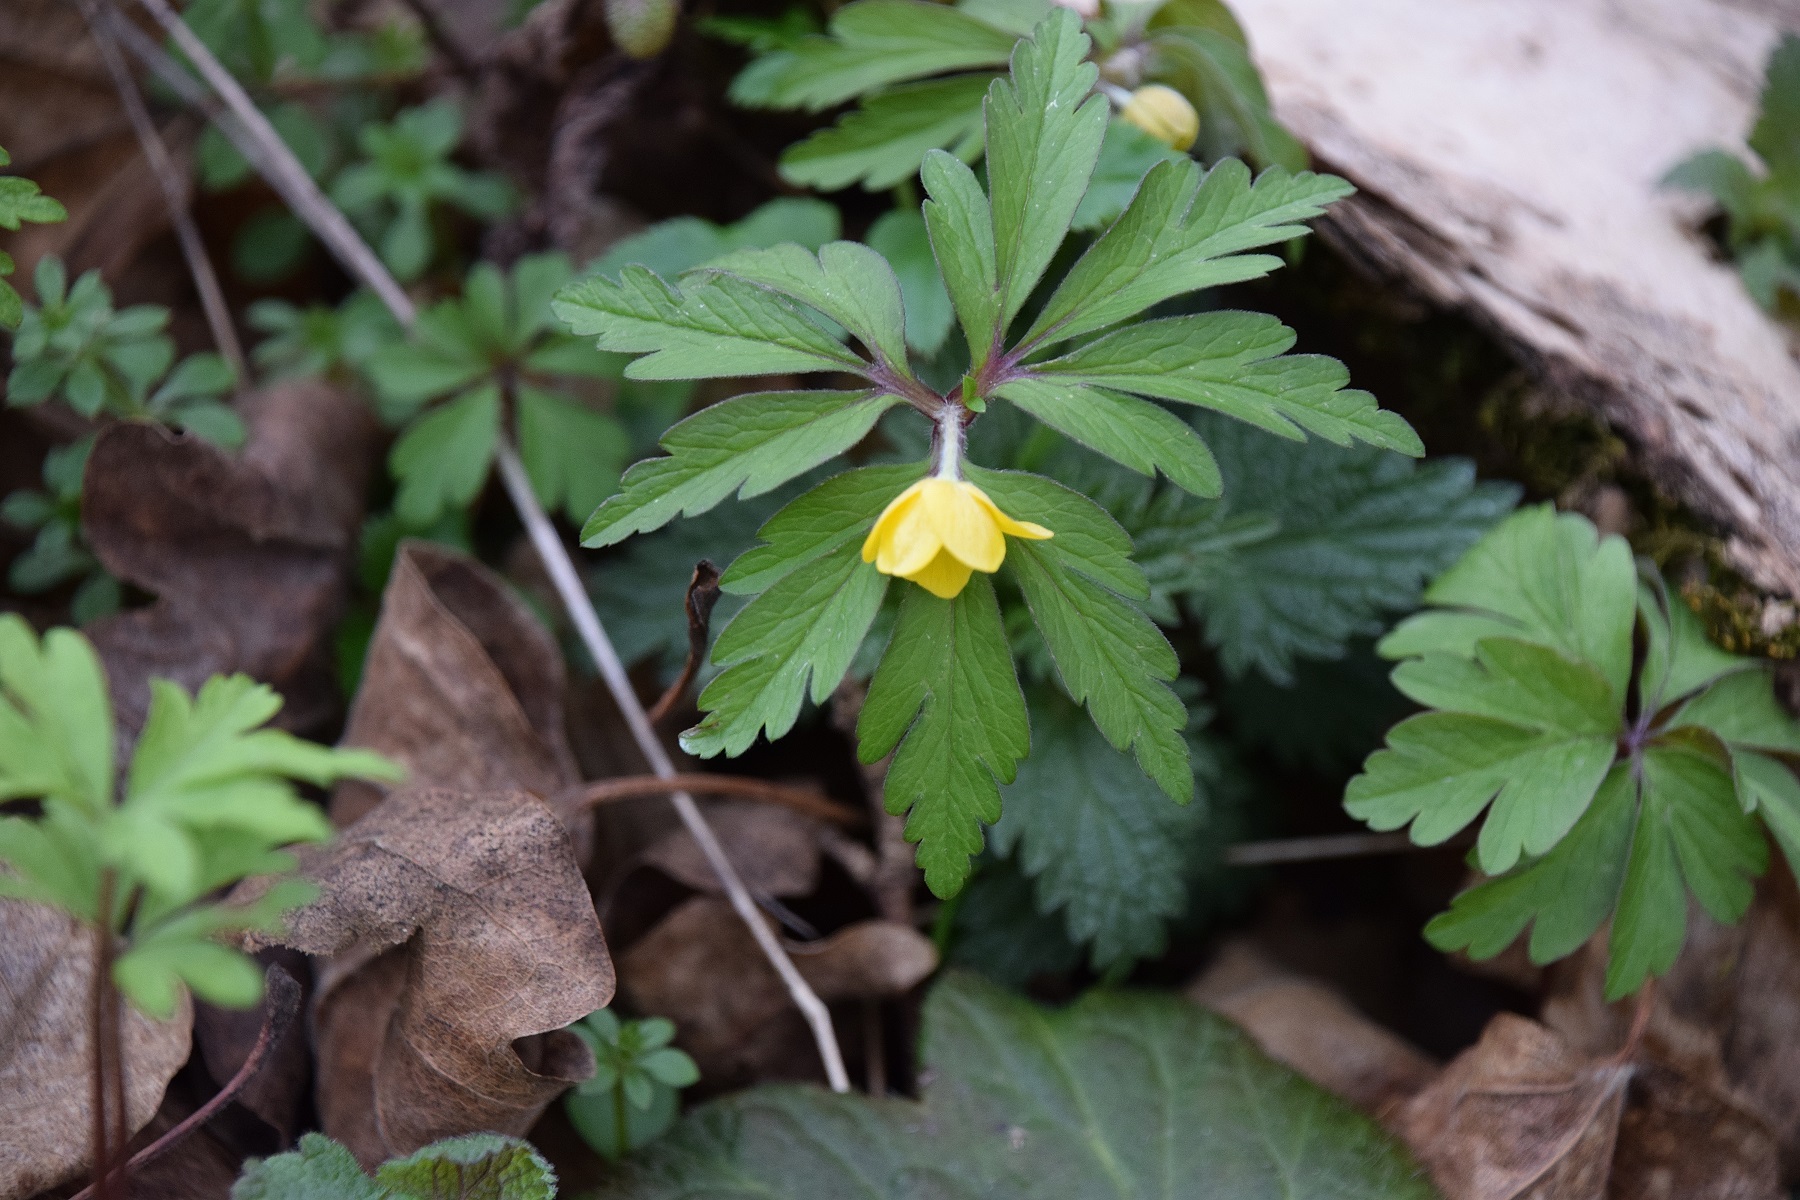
[464, 942]
[700, 968]
[1518, 1114]
[1686, 1131]
[1310, 1027]
[248, 555]
[46, 969]
[463, 686]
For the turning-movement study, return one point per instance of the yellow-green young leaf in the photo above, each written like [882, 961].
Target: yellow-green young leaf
[1690, 827]
[56, 736]
[572, 453]
[707, 327]
[883, 141]
[442, 461]
[1541, 576]
[748, 445]
[1120, 1094]
[808, 625]
[946, 695]
[872, 43]
[1524, 728]
[1044, 128]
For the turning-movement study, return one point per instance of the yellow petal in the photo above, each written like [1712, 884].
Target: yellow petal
[962, 524]
[890, 516]
[944, 576]
[1021, 529]
[910, 544]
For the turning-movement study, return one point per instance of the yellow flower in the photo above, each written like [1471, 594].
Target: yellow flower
[939, 530]
[1164, 114]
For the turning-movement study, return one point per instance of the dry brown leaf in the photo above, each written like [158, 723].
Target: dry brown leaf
[462, 685]
[775, 851]
[700, 968]
[225, 1037]
[1519, 1114]
[248, 555]
[464, 942]
[1309, 1027]
[46, 969]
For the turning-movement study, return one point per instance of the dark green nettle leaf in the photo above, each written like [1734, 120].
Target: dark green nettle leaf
[946, 695]
[482, 1166]
[1102, 843]
[1311, 544]
[748, 445]
[1119, 1095]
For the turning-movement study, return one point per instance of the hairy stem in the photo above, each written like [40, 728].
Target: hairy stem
[272, 158]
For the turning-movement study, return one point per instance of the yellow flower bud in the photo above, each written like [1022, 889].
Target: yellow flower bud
[938, 531]
[1164, 114]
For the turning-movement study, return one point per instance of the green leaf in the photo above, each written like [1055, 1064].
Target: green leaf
[962, 239]
[883, 141]
[1767, 785]
[572, 453]
[1540, 766]
[872, 43]
[480, 1166]
[998, 931]
[1678, 658]
[947, 697]
[442, 461]
[749, 444]
[1103, 843]
[56, 732]
[319, 1169]
[1213, 69]
[901, 238]
[1724, 177]
[1126, 155]
[821, 520]
[1236, 363]
[1776, 137]
[1133, 433]
[1087, 539]
[847, 281]
[1121, 1094]
[21, 200]
[1111, 658]
[1564, 896]
[712, 326]
[809, 624]
[1044, 129]
[1183, 232]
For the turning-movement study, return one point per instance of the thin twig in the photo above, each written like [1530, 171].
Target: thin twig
[801, 800]
[174, 190]
[284, 1006]
[1334, 845]
[284, 172]
[587, 623]
[278, 164]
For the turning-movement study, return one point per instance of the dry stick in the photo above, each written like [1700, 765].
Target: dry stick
[206, 280]
[285, 172]
[801, 800]
[284, 1006]
[593, 636]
